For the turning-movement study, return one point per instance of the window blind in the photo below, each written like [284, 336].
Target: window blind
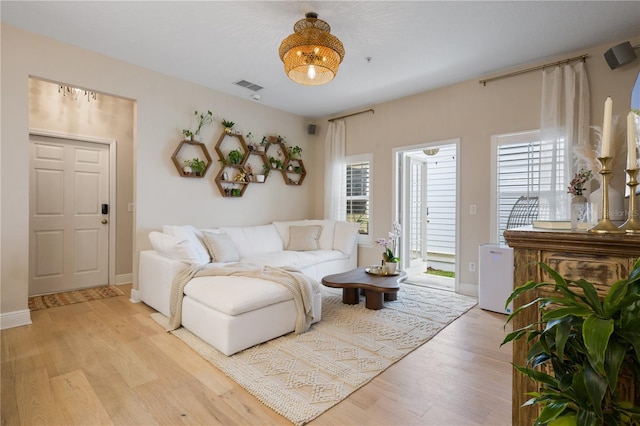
[358, 181]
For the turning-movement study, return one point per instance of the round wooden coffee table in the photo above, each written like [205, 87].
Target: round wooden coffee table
[376, 287]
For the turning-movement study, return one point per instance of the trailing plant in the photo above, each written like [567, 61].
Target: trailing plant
[586, 344]
[235, 157]
[265, 170]
[197, 165]
[187, 133]
[203, 120]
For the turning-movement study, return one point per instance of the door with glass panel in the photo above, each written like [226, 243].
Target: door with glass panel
[427, 203]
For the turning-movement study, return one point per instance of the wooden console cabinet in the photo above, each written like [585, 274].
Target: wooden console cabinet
[601, 259]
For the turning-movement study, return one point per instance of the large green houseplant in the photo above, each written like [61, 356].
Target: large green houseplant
[586, 343]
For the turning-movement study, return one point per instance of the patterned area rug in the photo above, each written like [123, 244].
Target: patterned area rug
[302, 376]
[71, 297]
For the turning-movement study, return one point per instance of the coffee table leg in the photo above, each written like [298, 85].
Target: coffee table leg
[373, 300]
[350, 296]
[391, 296]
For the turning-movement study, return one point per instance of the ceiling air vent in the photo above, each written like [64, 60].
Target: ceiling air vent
[249, 85]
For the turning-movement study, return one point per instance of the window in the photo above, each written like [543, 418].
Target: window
[527, 167]
[358, 198]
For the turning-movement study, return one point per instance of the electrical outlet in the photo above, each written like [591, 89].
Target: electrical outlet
[473, 209]
[130, 207]
[472, 266]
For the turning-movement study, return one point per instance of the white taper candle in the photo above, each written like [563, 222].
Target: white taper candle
[606, 128]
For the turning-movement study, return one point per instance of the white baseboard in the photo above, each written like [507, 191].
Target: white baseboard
[15, 319]
[135, 296]
[124, 279]
[468, 289]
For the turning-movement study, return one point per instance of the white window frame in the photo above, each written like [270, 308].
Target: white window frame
[364, 158]
[497, 140]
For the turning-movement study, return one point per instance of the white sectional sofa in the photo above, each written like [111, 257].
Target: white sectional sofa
[233, 313]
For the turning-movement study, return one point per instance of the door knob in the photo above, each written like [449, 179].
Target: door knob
[104, 221]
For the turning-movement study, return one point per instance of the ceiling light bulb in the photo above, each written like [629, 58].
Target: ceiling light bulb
[311, 73]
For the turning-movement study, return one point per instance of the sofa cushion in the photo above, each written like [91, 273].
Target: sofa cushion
[240, 294]
[191, 234]
[176, 248]
[254, 239]
[304, 238]
[345, 236]
[220, 247]
[293, 259]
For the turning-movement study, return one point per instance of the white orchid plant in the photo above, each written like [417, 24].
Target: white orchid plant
[389, 244]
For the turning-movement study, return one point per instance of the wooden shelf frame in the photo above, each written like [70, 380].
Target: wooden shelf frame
[179, 167]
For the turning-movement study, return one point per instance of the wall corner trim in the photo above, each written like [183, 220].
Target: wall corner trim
[15, 319]
[135, 296]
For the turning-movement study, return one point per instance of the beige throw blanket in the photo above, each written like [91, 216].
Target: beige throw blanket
[302, 288]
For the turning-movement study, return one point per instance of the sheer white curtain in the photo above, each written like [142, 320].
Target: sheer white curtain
[335, 181]
[564, 124]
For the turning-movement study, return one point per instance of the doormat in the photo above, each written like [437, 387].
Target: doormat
[70, 297]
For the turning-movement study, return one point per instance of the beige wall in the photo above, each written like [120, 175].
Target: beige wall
[106, 117]
[473, 113]
[164, 106]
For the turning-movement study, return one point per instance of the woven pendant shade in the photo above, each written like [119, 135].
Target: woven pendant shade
[311, 55]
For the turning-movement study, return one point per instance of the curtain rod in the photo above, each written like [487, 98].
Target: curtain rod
[540, 67]
[355, 113]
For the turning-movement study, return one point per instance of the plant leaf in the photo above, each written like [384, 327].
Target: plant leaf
[614, 356]
[579, 311]
[596, 333]
[613, 298]
[538, 376]
[568, 420]
[586, 417]
[562, 335]
[591, 295]
[550, 412]
[596, 385]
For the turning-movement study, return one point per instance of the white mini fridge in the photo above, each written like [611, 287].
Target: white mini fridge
[495, 277]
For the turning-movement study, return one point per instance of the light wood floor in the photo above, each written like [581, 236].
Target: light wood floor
[107, 362]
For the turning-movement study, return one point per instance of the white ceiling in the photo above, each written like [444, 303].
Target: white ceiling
[415, 46]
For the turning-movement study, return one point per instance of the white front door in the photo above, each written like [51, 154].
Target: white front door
[69, 231]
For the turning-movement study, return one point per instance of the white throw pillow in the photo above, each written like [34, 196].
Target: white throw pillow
[304, 238]
[191, 234]
[283, 228]
[221, 247]
[325, 242]
[175, 248]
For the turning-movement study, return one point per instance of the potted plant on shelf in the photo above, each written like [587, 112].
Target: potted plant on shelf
[195, 165]
[235, 157]
[228, 125]
[584, 344]
[276, 163]
[203, 120]
[294, 152]
[187, 134]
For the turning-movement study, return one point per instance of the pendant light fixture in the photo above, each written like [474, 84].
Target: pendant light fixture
[311, 55]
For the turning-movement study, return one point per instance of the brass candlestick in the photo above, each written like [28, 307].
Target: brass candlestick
[632, 225]
[605, 226]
